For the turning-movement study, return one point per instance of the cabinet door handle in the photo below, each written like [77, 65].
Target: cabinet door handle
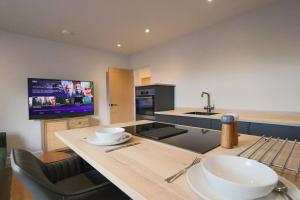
[113, 104]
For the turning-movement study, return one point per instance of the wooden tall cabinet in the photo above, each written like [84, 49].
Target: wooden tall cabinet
[50, 141]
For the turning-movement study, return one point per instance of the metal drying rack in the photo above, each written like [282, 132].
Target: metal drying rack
[269, 146]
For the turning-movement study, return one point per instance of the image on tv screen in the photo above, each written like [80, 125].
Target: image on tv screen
[49, 98]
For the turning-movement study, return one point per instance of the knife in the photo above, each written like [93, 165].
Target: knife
[121, 147]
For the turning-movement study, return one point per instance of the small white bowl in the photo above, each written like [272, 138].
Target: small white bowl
[239, 178]
[109, 134]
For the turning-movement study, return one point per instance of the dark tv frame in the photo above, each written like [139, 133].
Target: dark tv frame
[58, 116]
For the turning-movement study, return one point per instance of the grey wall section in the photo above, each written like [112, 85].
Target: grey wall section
[22, 57]
[250, 62]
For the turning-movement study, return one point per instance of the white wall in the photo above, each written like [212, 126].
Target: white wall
[251, 62]
[141, 73]
[22, 57]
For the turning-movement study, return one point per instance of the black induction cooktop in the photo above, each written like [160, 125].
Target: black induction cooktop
[191, 138]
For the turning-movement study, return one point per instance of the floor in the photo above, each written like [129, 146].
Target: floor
[5, 184]
[18, 191]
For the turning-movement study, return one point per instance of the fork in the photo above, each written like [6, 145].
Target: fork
[178, 174]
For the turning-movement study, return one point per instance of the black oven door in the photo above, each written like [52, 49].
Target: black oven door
[144, 105]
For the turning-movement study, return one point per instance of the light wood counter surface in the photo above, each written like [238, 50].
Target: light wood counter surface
[140, 170]
[268, 117]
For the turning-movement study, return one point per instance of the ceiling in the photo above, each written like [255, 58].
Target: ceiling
[102, 24]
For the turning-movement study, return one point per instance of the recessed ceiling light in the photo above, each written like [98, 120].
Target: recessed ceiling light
[119, 45]
[66, 32]
[209, 0]
[147, 30]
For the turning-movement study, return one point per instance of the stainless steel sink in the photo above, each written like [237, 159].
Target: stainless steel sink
[201, 113]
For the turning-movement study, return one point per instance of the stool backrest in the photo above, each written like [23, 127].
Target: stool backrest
[33, 173]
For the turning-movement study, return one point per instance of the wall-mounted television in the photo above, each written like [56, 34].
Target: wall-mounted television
[53, 98]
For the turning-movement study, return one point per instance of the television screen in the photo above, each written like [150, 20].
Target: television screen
[50, 98]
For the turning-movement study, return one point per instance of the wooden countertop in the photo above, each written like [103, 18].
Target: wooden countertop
[140, 170]
[268, 117]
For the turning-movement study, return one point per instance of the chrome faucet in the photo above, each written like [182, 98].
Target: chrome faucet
[208, 108]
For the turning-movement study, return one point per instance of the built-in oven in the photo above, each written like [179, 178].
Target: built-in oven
[145, 104]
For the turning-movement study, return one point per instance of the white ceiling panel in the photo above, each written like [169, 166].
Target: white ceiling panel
[101, 24]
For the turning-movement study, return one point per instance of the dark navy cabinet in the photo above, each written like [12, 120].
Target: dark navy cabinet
[251, 128]
[282, 131]
[216, 124]
[243, 127]
[187, 121]
[166, 118]
[153, 98]
[194, 121]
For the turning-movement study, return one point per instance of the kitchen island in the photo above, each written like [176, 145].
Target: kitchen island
[140, 170]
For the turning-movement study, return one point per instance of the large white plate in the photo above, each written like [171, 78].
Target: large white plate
[199, 186]
[95, 140]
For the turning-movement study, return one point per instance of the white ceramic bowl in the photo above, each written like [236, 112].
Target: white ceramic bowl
[238, 178]
[109, 134]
